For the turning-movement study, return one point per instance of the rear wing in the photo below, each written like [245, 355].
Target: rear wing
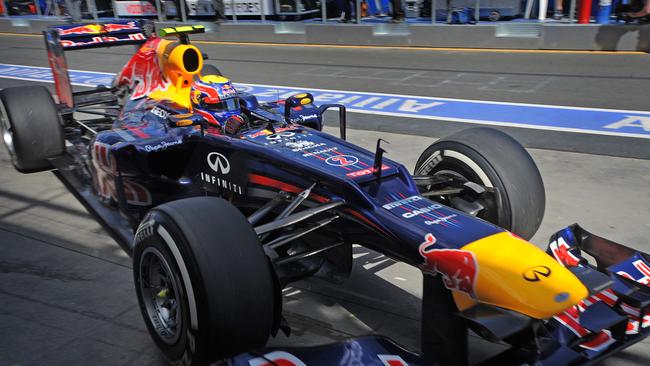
[67, 37]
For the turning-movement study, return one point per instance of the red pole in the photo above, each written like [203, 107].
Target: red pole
[585, 12]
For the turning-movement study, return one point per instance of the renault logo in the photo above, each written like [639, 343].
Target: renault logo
[536, 273]
[218, 163]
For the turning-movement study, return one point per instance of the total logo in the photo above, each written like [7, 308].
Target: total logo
[342, 160]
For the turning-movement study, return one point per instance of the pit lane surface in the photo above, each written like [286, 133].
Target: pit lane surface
[66, 293]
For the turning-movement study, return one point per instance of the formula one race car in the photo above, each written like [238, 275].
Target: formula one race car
[222, 201]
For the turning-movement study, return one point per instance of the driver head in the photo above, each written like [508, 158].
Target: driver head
[215, 98]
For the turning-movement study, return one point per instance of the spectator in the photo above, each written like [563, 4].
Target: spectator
[219, 10]
[559, 10]
[398, 11]
[73, 8]
[346, 11]
[644, 12]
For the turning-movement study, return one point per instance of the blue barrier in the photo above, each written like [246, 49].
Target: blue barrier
[534, 116]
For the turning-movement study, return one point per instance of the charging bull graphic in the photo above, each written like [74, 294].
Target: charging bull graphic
[458, 268]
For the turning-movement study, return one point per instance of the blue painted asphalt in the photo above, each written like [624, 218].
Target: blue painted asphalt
[534, 116]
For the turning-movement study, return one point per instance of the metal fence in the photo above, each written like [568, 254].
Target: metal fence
[278, 9]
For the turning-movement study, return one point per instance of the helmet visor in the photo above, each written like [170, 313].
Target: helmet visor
[225, 105]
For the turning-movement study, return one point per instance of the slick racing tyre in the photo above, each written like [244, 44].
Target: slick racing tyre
[30, 127]
[205, 287]
[494, 160]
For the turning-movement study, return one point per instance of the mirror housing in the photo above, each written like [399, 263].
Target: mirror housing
[186, 120]
[301, 99]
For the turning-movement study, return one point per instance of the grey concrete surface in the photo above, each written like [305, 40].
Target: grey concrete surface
[67, 297]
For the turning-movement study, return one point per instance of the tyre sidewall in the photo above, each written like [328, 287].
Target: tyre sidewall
[37, 133]
[461, 159]
[507, 165]
[187, 350]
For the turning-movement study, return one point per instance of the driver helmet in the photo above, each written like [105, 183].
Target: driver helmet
[214, 94]
[214, 98]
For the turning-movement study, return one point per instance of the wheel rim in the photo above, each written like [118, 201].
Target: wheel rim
[161, 295]
[7, 133]
[490, 212]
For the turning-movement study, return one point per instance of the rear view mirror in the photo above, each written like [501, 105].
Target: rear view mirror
[295, 101]
[185, 119]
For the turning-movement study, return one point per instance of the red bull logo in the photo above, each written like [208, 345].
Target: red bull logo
[205, 93]
[114, 27]
[458, 268]
[82, 29]
[98, 28]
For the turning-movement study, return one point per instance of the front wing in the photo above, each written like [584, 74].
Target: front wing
[615, 316]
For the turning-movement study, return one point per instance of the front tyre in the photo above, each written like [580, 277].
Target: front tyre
[204, 285]
[494, 160]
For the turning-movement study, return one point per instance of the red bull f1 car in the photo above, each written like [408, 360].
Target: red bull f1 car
[222, 201]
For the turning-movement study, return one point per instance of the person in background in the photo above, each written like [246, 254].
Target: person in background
[558, 13]
[219, 10]
[644, 12]
[398, 11]
[73, 8]
[346, 11]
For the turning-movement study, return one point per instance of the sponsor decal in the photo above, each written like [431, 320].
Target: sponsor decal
[537, 273]
[160, 112]
[97, 28]
[280, 135]
[145, 230]
[430, 163]
[277, 358]
[458, 268]
[221, 167]
[103, 39]
[278, 132]
[392, 360]
[297, 146]
[367, 171]
[82, 29]
[105, 166]
[221, 183]
[321, 151]
[163, 145]
[440, 220]
[218, 163]
[342, 160]
[421, 211]
[142, 73]
[303, 118]
[395, 204]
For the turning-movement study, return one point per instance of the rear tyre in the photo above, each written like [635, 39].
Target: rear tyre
[210, 70]
[495, 160]
[30, 127]
[204, 285]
